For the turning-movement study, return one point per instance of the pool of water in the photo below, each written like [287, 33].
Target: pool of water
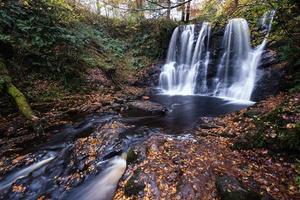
[184, 111]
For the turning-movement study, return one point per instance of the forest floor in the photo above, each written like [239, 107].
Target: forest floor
[176, 166]
[187, 168]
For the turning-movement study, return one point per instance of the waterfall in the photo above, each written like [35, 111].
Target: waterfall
[266, 21]
[187, 56]
[236, 72]
[186, 69]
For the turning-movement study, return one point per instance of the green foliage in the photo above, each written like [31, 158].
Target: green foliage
[284, 25]
[61, 41]
[286, 51]
[284, 37]
[50, 36]
[152, 37]
[274, 132]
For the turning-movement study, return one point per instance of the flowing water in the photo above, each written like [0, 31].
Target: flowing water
[188, 60]
[237, 70]
[9, 180]
[184, 79]
[187, 56]
[103, 186]
[52, 164]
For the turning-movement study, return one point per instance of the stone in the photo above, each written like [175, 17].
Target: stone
[269, 58]
[147, 107]
[229, 188]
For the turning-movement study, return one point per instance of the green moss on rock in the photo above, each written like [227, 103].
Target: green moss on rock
[132, 156]
[133, 186]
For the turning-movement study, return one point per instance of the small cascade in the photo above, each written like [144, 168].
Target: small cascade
[266, 21]
[104, 185]
[8, 181]
[187, 56]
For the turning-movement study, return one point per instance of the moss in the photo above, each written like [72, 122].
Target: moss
[272, 131]
[2, 67]
[21, 101]
[251, 113]
[132, 156]
[132, 186]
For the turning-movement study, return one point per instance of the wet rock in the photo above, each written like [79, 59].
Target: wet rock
[243, 143]
[229, 188]
[133, 186]
[132, 156]
[149, 76]
[270, 76]
[147, 107]
[209, 123]
[269, 57]
[208, 126]
[119, 100]
[269, 83]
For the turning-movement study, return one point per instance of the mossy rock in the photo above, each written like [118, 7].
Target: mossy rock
[251, 113]
[133, 186]
[243, 143]
[132, 156]
[229, 188]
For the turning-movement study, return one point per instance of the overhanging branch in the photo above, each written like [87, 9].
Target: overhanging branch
[161, 7]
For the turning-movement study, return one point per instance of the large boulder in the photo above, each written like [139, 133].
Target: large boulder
[147, 107]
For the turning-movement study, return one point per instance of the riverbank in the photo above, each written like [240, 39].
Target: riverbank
[188, 166]
[160, 165]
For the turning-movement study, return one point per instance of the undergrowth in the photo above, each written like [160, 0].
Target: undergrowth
[55, 40]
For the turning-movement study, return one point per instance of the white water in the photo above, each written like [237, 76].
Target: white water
[187, 55]
[24, 172]
[105, 184]
[186, 68]
[237, 70]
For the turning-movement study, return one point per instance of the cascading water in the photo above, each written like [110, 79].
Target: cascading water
[186, 58]
[186, 68]
[105, 184]
[236, 71]
[236, 74]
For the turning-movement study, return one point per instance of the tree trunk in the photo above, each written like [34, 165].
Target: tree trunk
[188, 11]
[98, 7]
[139, 6]
[183, 12]
[7, 86]
[169, 9]
[236, 2]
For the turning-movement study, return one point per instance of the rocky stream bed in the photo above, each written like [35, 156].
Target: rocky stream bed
[209, 159]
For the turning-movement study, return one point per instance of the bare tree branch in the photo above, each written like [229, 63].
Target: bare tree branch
[161, 7]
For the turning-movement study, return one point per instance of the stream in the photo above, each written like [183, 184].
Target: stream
[85, 160]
